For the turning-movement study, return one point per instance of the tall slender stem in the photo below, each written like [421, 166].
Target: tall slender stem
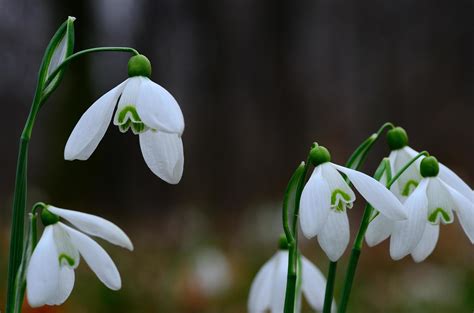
[329, 294]
[17, 230]
[366, 219]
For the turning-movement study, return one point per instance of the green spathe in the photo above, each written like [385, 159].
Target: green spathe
[139, 65]
[397, 138]
[319, 155]
[48, 218]
[429, 167]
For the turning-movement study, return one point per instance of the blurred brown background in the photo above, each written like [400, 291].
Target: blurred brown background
[258, 82]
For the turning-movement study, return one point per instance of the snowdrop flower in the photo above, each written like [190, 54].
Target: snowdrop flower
[144, 107]
[382, 227]
[433, 202]
[326, 196]
[50, 274]
[267, 293]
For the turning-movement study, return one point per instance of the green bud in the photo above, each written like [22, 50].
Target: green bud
[429, 167]
[283, 242]
[139, 65]
[397, 138]
[319, 155]
[48, 218]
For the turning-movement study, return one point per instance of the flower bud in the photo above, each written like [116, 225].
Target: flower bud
[283, 242]
[397, 138]
[429, 167]
[139, 65]
[48, 218]
[319, 155]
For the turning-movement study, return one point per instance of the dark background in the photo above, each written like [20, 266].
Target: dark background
[258, 82]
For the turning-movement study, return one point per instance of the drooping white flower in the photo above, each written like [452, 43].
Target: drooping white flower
[431, 203]
[267, 293]
[382, 227]
[144, 107]
[50, 275]
[326, 196]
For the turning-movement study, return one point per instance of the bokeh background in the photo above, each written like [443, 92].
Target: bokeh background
[258, 82]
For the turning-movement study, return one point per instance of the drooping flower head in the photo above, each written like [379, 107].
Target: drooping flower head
[432, 203]
[50, 274]
[143, 107]
[382, 227]
[327, 195]
[267, 293]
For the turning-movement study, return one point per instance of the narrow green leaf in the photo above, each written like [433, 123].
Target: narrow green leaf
[289, 203]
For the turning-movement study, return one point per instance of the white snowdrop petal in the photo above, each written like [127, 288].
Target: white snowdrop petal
[379, 230]
[406, 234]
[261, 290]
[95, 226]
[453, 180]
[163, 153]
[440, 202]
[158, 109]
[43, 271]
[92, 125]
[280, 270]
[335, 181]
[96, 257]
[427, 243]
[129, 96]
[408, 181]
[313, 284]
[375, 193]
[65, 285]
[67, 253]
[335, 235]
[315, 204]
[465, 211]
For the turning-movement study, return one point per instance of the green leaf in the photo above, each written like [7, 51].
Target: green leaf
[60, 47]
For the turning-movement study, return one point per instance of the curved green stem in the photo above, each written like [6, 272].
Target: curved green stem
[82, 53]
[366, 219]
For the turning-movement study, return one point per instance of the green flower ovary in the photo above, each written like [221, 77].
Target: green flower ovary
[340, 200]
[67, 258]
[439, 214]
[409, 187]
[128, 118]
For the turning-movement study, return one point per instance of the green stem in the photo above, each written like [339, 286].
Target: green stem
[366, 219]
[20, 193]
[328, 296]
[84, 52]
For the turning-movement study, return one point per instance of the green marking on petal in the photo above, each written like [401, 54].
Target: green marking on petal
[128, 118]
[336, 200]
[433, 216]
[409, 187]
[66, 257]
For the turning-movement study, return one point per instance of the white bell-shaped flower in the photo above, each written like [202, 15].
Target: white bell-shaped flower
[144, 107]
[326, 196]
[382, 227]
[50, 274]
[431, 203]
[267, 293]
